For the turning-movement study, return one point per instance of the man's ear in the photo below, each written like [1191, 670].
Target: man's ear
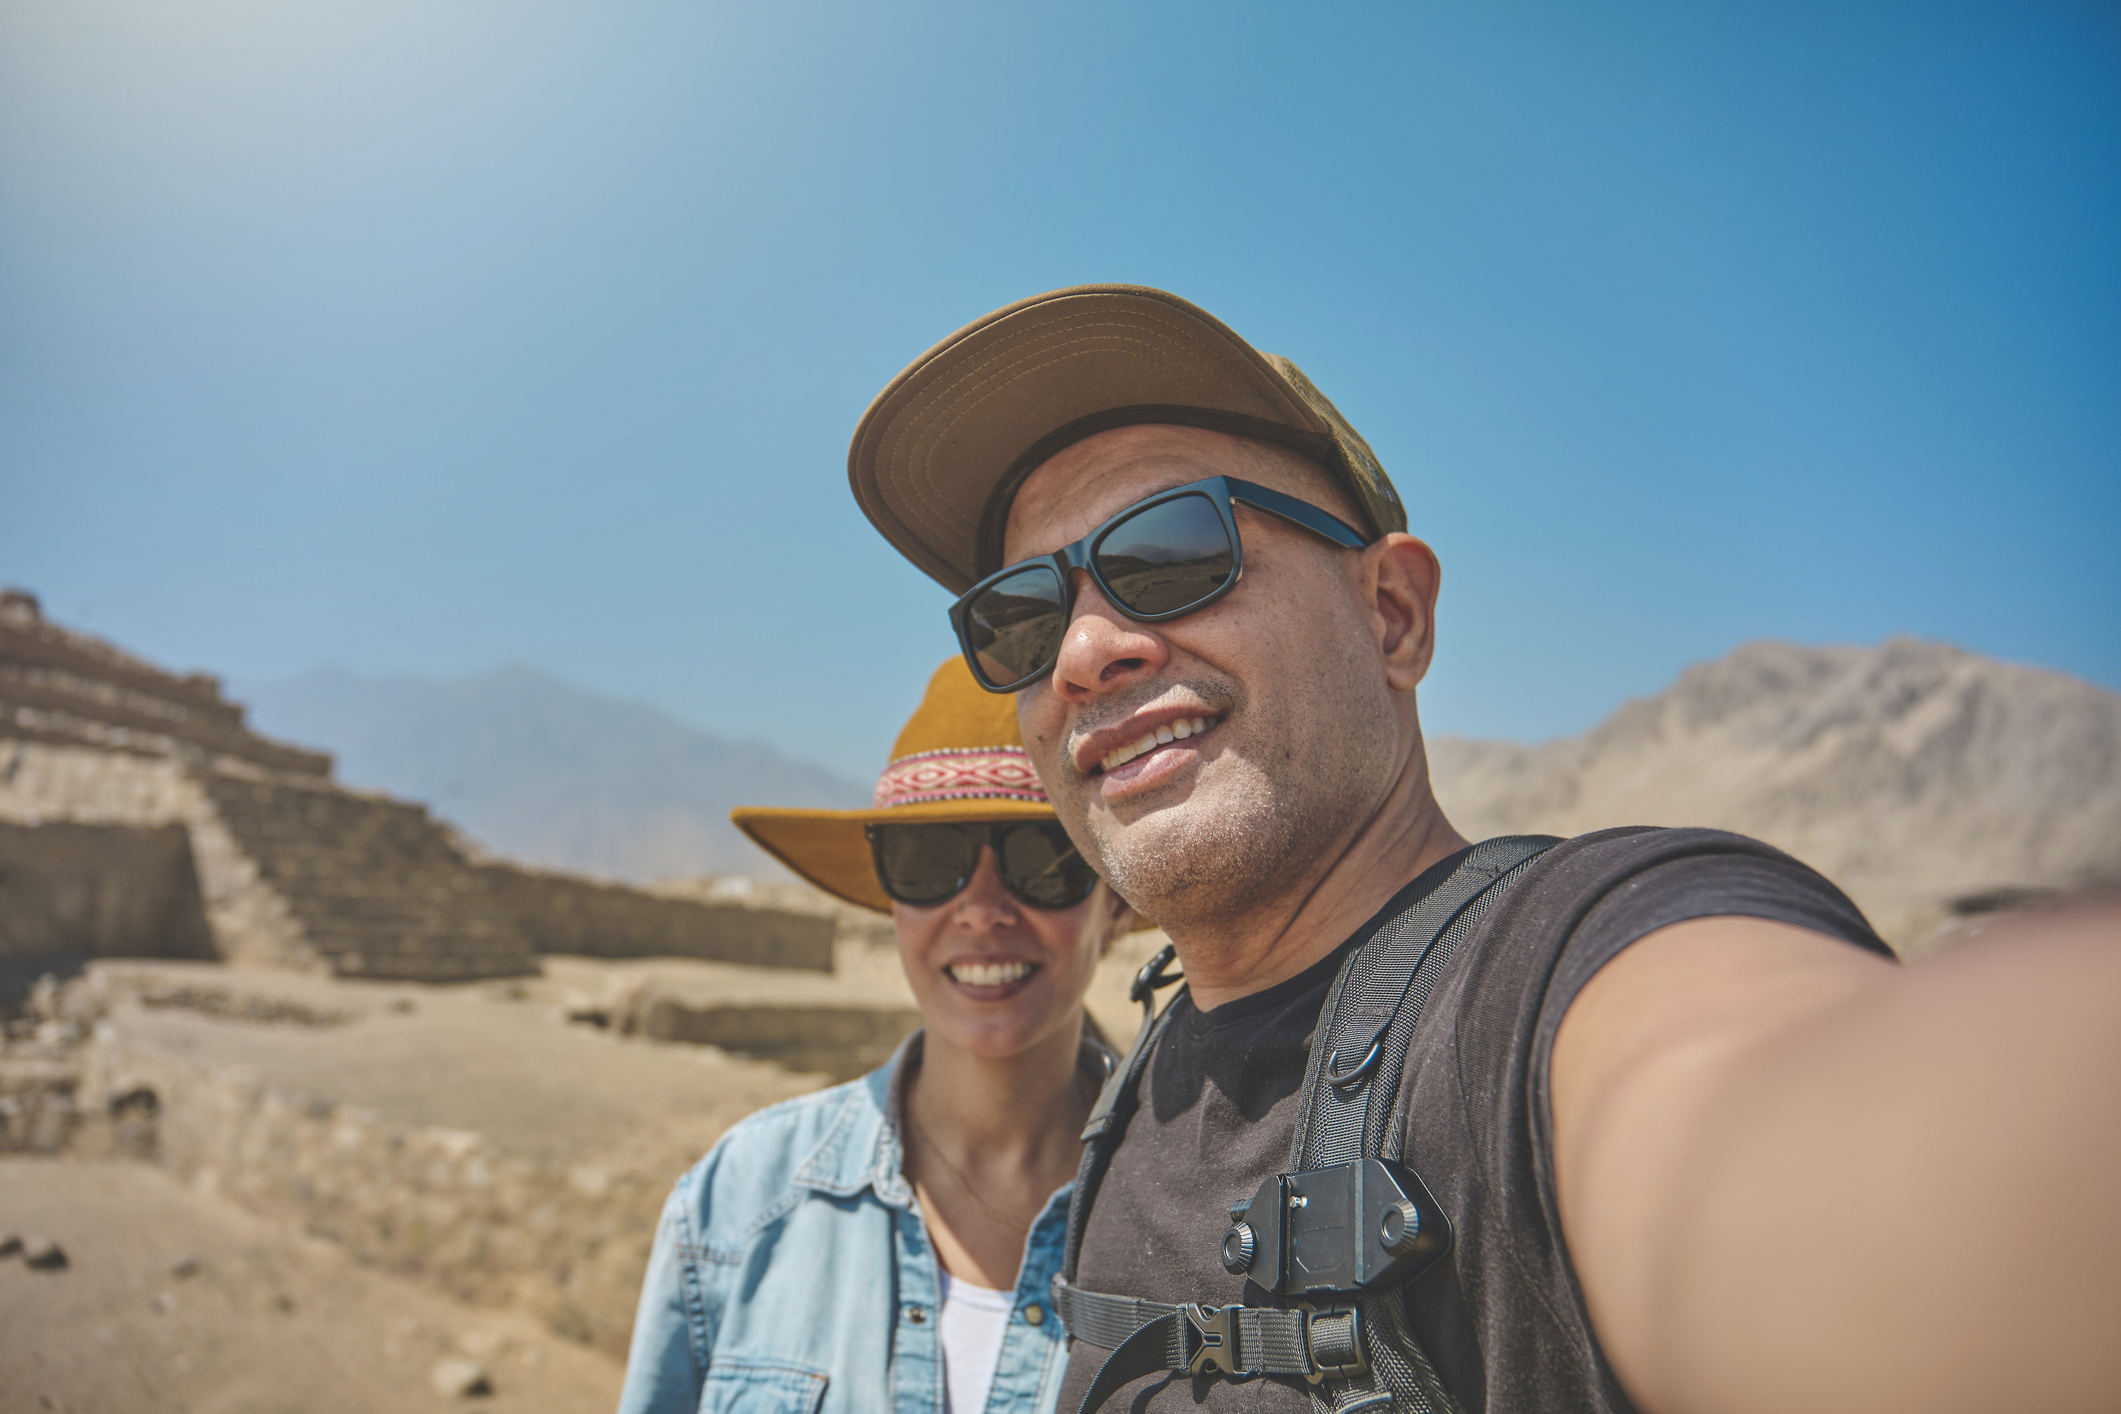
[1400, 580]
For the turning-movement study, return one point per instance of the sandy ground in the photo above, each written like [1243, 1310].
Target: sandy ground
[862, 975]
[494, 1058]
[269, 1323]
[278, 1322]
[498, 1058]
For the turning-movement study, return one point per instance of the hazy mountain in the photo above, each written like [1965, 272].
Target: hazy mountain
[541, 770]
[1912, 774]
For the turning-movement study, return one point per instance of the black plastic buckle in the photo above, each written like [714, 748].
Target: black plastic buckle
[1152, 977]
[1214, 1340]
[1323, 1370]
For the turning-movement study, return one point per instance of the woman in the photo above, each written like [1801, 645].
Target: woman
[888, 1243]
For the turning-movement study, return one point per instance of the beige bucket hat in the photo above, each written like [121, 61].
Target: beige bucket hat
[940, 454]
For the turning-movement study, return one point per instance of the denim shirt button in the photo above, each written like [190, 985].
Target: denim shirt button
[1034, 1315]
[917, 1314]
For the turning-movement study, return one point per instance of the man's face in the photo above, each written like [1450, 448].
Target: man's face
[1302, 732]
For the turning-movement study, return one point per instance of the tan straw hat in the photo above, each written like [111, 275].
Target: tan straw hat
[961, 757]
[940, 454]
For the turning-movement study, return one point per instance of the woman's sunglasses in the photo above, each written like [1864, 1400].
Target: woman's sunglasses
[1162, 558]
[925, 865]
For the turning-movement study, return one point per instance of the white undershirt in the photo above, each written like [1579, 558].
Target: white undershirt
[971, 1327]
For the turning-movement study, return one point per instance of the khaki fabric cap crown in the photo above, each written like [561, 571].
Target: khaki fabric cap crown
[940, 454]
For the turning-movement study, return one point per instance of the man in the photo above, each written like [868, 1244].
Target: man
[1704, 1145]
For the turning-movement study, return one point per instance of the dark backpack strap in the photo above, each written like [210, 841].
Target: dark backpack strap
[1239, 1341]
[1115, 1104]
[1351, 1095]
[1360, 1354]
[1359, 1054]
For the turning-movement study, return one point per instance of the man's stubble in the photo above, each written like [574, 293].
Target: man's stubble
[1298, 770]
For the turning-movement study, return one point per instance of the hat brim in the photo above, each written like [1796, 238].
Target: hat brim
[828, 848]
[935, 448]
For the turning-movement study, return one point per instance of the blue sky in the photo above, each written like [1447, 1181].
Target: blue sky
[425, 335]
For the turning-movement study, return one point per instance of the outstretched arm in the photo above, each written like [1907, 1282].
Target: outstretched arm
[1795, 1176]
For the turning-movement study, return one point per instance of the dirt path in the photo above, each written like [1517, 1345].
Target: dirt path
[265, 1323]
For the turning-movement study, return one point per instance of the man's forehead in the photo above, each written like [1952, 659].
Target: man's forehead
[1084, 484]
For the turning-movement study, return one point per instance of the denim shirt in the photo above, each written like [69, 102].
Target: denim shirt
[792, 1274]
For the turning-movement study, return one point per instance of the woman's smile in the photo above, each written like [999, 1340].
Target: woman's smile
[990, 979]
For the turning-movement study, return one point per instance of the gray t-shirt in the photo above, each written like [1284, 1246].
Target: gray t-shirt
[1218, 1102]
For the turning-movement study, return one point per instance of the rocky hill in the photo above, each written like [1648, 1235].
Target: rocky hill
[540, 770]
[1922, 779]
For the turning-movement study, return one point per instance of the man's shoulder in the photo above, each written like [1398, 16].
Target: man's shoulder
[1636, 847]
[1588, 898]
[1577, 874]
[1668, 872]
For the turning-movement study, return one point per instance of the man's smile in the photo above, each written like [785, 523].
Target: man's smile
[1148, 741]
[1142, 733]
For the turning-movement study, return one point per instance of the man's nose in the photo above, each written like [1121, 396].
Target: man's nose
[1102, 649]
[983, 903]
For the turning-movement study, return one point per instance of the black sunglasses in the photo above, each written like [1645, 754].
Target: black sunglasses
[924, 865]
[1160, 558]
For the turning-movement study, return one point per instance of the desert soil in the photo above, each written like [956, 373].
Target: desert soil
[267, 1316]
[266, 1322]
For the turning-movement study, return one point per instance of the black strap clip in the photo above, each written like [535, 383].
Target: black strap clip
[1211, 1339]
[1341, 1079]
[1153, 977]
[1333, 1338]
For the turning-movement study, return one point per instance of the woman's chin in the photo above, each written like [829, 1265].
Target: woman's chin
[992, 994]
[992, 1038]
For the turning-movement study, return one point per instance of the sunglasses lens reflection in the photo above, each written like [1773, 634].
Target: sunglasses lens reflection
[1040, 866]
[924, 865]
[1167, 558]
[1015, 626]
[1160, 561]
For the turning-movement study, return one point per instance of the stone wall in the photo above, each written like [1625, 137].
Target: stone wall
[100, 891]
[45, 784]
[379, 887]
[838, 1041]
[64, 688]
[294, 871]
[301, 872]
[563, 914]
[292, 868]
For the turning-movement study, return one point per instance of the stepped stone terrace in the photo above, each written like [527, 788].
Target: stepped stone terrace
[141, 816]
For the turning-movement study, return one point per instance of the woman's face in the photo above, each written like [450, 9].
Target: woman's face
[993, 975]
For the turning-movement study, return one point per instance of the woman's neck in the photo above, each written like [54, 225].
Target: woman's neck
[1013, 1111]
[988, 1140]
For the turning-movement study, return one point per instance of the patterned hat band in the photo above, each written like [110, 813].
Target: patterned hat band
[988, 773]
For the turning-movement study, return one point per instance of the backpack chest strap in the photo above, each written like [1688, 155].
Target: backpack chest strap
[1148, 1337]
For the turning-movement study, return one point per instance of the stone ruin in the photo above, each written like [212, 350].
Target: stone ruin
[508, 1143]
[141, 817]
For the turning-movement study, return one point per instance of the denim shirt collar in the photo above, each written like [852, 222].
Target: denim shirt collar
[864, 1148]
